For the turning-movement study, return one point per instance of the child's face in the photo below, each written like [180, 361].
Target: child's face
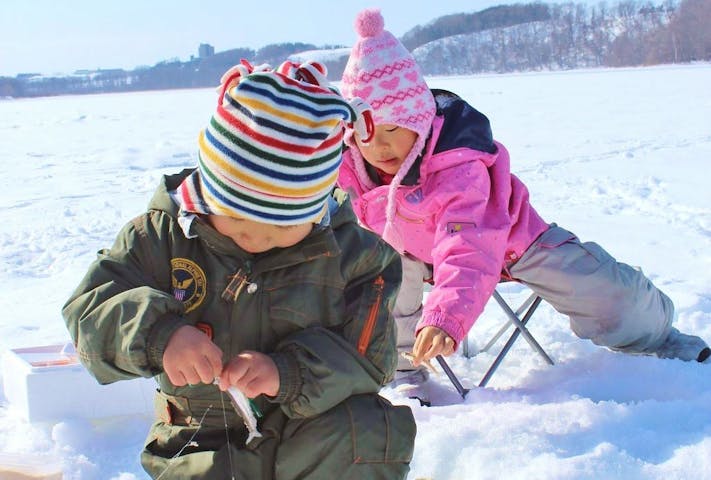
[388, 148]
[255, 237]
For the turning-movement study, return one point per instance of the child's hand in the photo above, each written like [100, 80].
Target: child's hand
[430, 342]
[190, 357]
[253, 373]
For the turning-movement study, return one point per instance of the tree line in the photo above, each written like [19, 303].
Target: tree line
[504, 38]
[630, 33]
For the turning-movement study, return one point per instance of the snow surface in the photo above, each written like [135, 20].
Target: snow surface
[620, 157]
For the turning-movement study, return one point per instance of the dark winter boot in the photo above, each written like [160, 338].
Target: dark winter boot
[705, 356]
[684, 347]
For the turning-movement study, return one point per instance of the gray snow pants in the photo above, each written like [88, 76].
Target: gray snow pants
[408, 306]
[610, 303]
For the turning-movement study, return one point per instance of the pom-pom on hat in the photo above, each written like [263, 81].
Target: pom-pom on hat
[271, 151]
[382, 72]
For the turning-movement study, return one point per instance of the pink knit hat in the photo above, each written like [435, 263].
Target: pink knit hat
[382, 72]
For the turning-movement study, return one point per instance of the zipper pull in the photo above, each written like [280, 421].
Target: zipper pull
[234, 287]
[366, 333]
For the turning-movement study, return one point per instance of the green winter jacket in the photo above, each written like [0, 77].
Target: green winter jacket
[321, 309]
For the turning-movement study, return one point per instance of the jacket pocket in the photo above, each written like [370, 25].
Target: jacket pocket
[573, 255]
[311, 304]
[381, 432]
[555, 237]
[181, 452]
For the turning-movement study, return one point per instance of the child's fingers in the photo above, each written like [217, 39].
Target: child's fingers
[222, 381]
[205, 370]
[214, 359]
[176, 376]
[254, 387]
[434, 350]
[426, 363]
[448, 346]
[240, 370]
[190, 377]
[445, 344]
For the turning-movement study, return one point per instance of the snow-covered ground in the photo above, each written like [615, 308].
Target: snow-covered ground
[620, 156]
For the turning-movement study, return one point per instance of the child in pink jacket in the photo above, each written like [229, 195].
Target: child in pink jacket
[435, 185]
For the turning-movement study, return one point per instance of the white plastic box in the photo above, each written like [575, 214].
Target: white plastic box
[18, 466]
[48, 383]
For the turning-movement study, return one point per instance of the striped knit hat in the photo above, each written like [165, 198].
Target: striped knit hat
[272, 149]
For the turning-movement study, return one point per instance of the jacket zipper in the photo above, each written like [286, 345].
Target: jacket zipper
[367, 332]
[408, 219]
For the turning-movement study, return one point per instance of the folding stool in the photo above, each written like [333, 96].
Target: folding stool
[527, 308]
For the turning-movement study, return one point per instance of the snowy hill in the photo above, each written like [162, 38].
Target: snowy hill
[618, 156]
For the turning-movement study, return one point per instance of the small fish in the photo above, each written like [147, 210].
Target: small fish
[409, 356]
[243, 405]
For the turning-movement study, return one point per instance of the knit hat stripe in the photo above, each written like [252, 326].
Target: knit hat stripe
[254, 162]
[264, 138]
[289, 186]
[238, 192]
[281, 193]
[222, 154]
[292, 108]
[366, 76]
[225, 206]
[279, 125]
[299, 120]
[250, 149]
[191, 195]
[284, 86]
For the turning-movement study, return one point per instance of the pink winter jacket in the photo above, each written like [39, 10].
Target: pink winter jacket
[465, 214]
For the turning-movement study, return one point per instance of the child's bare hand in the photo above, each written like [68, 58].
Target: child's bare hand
[253, 373]
[190, 357]
[430, 342]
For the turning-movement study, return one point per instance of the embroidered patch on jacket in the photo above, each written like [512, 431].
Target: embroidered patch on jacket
[456, 227]
[188, 283]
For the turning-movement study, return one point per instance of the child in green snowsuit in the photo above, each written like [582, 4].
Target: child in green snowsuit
[253, 270]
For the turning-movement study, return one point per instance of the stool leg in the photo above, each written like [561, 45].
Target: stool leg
[496, 337]
[531, 298]
[452, 377]
[500, 357]
[465, 346]
[520, 327]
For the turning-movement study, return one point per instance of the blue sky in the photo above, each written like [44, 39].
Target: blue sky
[52, 36]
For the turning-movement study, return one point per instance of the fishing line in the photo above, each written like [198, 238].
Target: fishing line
[189, 443]
[227, 434]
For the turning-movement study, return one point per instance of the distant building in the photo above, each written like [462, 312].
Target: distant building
[25, 76]
[206, 50]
